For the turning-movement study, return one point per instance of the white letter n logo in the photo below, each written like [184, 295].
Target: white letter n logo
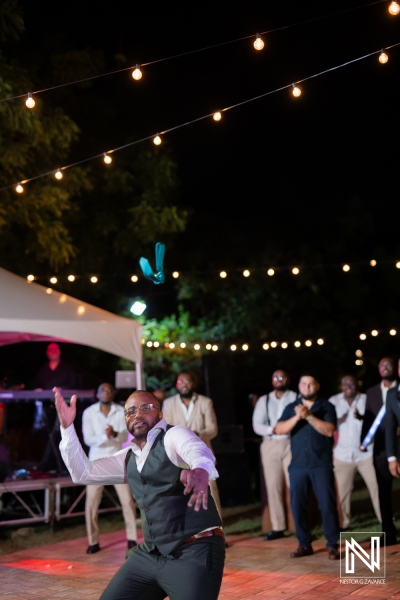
[371, 562]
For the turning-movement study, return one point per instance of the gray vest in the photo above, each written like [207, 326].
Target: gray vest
[167, 520]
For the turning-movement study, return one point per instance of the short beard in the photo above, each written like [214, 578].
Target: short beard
[389, 377]
[281, 388]
[309, 397]
[186, 396]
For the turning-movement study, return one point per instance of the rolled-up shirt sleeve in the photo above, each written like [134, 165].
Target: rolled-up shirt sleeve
[187, 451]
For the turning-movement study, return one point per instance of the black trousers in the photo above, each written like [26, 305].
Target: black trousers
[193, 572]
[385, 486]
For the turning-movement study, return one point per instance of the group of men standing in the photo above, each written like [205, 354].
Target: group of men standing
[309, 442]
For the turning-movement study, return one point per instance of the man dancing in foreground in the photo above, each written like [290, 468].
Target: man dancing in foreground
[183, 552]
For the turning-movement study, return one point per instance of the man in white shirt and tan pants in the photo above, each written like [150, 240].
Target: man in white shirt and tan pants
[275, 453]
[347, 456]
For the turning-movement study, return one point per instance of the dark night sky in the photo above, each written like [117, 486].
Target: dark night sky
[271, 158]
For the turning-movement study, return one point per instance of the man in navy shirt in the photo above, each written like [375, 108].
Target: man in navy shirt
[311, 423]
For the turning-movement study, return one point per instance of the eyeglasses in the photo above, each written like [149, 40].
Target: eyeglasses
[184, 381]
[278, 378]
[144, 408]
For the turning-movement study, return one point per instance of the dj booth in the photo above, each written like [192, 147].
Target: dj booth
[35, 493]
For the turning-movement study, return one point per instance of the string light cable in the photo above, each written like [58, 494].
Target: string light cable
[196, 120]
[138, 66]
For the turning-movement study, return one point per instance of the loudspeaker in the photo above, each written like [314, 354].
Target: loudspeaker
[217, 373]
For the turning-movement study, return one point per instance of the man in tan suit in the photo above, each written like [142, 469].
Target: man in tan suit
[196, 412]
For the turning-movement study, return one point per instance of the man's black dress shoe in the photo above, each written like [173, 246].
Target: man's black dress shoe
[131, 544]
[93, 549]
[273, 535]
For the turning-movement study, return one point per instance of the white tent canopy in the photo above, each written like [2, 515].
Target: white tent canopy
[33, 313]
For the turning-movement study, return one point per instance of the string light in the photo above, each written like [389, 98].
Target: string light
[137, 73]
[270, 272]
[134, 278]
[19, 189]
[53, 280]
[94, 279]
[383, 57]
[157, 140]
[346, 268]
[223, 274]
[217, 116]
[175, 274]
[394, 8]
[258, 42]
[58, 175]
[296, 91]
[372, 263]
[107, 158]
[30, 102]
[71, 278]
[31, 278]
[295, 270]
[246, 273]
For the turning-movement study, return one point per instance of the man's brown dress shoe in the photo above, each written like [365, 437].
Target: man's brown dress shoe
[302, 551]
[333, 553]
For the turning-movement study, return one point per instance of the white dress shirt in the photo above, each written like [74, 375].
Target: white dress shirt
[183, 447]
[347, 447]
[94, 424]
[263, 421]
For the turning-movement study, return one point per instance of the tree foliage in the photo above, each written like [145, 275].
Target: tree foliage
[97, 216]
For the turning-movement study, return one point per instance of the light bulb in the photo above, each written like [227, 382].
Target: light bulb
[107, 158]
[58, 175]
[217, 116]
[296, 91]
[383, 57]
[137, 73]
[157, 140]
[258, 43]
[394, 8]
[19, 189]
[30, 103]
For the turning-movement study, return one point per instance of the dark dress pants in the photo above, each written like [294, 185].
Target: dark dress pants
[385, 486]
[194, 571]
[321, 480]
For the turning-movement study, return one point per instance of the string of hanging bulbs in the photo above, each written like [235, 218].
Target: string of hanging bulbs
[222, 274]
[266, 346]
[295, 88]
[137, 74]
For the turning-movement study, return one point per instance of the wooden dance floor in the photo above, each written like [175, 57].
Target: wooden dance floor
[254, 569]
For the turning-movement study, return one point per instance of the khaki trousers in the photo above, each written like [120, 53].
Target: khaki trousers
[94, 494]
[275, 459]
[344, 477]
